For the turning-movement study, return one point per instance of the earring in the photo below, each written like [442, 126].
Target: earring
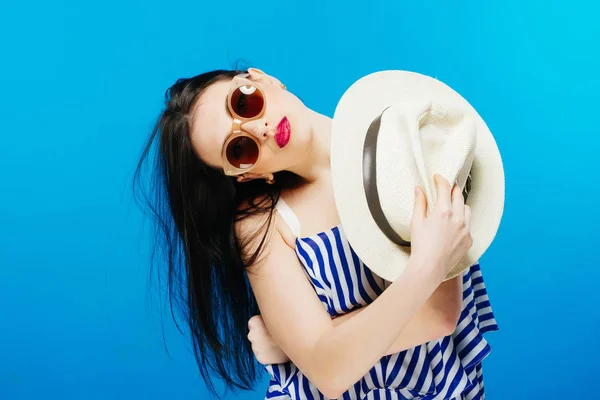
[269, 179]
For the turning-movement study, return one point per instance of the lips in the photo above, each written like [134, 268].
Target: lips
[282, 133]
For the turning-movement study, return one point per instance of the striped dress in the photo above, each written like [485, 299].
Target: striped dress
[448, 368]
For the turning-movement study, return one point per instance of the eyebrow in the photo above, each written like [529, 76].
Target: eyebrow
[229, 134]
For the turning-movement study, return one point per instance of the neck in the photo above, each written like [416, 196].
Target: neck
[317, 163]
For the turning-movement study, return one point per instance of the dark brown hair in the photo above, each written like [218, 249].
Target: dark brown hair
[194, 208]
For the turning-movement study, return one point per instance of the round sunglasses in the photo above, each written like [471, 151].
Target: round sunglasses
[246, 102]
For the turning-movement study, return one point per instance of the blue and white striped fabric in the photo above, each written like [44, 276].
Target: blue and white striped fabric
[449, 368]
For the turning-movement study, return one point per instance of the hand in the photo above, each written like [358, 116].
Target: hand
[441, 239]
[264, 347]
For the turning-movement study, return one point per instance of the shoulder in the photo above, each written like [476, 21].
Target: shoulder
[251, 219]
[256, 229]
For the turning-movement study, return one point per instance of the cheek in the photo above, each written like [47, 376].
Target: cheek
[267, 161]
[301, 132]
[275, 160]
[290, 105]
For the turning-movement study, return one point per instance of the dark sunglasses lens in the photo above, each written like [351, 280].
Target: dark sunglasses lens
[242, 152]
[247, 101]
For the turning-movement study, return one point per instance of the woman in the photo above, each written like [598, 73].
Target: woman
[243, 173]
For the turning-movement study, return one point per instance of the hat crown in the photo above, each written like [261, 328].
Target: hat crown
[417, 140]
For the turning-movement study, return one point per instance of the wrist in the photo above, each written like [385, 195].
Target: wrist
[429, 270]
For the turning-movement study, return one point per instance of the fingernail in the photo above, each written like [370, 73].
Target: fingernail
[416, 190]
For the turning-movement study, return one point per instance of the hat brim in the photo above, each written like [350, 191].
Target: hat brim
[358, 107]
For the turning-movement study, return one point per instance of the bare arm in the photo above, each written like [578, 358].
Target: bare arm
[437, 318]
[297, 321]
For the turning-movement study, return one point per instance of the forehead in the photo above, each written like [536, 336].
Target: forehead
[211, 122]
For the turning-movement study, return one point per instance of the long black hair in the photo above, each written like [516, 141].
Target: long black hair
[194, 208]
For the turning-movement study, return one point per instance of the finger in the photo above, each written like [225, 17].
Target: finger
[458, 201]
[252, 322]
[419, 212]
[260, 322]
[468, 216]
[256, 323]
[443, 190]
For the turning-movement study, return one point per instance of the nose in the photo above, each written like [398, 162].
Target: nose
[259, 128]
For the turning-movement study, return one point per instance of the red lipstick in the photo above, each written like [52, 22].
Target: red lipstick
[282, 133]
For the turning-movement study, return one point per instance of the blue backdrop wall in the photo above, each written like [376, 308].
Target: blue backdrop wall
[82, 83]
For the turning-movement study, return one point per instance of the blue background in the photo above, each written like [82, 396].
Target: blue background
[82, 83]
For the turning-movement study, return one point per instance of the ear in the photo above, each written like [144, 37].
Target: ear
[258, 75]
[269, 178]
[248, 177]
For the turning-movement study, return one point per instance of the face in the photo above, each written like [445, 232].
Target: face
[282, 134]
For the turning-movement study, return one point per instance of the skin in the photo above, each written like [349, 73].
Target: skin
[293, 323]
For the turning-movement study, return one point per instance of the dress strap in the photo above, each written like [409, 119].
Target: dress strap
[288, 216]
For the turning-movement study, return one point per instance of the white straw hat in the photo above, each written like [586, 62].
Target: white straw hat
[392, 131]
